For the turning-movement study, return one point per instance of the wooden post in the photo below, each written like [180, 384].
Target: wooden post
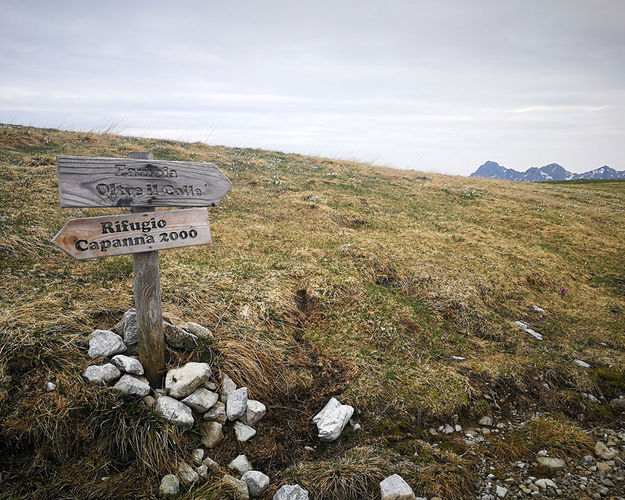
[148, 304]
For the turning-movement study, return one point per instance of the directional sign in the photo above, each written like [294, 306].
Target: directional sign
[128, 182]
[93, 237]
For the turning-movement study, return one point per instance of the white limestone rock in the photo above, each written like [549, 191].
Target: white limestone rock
[174, 411]
[243, 432]
[602, 451]
[217, 413]
[105, 343]
[210, 463]
[240, 464]
[102, 374]
[179, 338]
[202, 471]
[170, 486]
[254, 412]
[237, 403]
[256, 481]
[525, 327]
[132, 386]
[332, 419]
[50, 386]
[501, 492]
[227, 386]
[180, 382]
[201, 400]
[395, 488]
[130, 327]
[128, 364]
[291, 492]
[197, 455]
[211, 434]
[581, 363]
[187, 474]
[551, 462]
[199, 330]
[486, 421]
[240, 487]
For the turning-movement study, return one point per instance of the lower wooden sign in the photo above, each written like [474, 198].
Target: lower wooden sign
[107, 236]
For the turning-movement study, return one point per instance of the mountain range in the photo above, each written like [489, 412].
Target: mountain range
[551, 172]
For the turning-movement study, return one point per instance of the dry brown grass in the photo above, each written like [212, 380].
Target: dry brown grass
[400, 272]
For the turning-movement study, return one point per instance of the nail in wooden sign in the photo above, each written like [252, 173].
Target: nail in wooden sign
[107, 236]
[127, 182]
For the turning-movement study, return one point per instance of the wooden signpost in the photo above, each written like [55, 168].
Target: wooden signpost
[142, 183]
[93, 237]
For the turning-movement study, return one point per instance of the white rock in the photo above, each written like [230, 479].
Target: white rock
[202, 471]
[130, 327]
[187, 474]
[243, 432]
[128, 364]
[581, 363]
[551, 462]
[291, 492]
[501, 491]
[227, 386]
[211, 434]
[602, 451]
[217, 413]
[174, 411]
[448, 429]
[50, 386]
[525, 327]
[132, 386]
[211, 386]
[170, 486]
[105, 343]
[458, 428]
[459, 358]
[240, 487]
[332, 419]
[254, 412]
[179, 338]
[257, 482]
[199, 330]
[544, 483]
[237, 403]
[486, 421]
[395, 488]
[180, 382]
[197, 455]
[101, 375]
[538, 309]
[201, 400]
[240, 464]
[210, 463]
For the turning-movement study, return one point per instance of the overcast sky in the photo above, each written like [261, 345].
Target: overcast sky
[437, 86]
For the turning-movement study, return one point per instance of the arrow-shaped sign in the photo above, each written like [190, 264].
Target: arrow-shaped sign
[127, 182]
[93, 237]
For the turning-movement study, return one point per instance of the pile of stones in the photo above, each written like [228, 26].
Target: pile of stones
[192, 397]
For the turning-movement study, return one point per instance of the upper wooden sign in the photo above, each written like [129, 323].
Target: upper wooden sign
[111, 235]
[126, 182]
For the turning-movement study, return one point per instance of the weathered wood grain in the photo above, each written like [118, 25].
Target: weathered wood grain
[93, 237]
[149, 316]
[148, 302]
[131, 182]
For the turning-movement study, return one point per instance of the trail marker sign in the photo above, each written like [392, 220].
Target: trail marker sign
[136, 182]
[142, 183]
[93, 237]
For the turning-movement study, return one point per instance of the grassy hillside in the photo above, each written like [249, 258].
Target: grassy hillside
[325, 278]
